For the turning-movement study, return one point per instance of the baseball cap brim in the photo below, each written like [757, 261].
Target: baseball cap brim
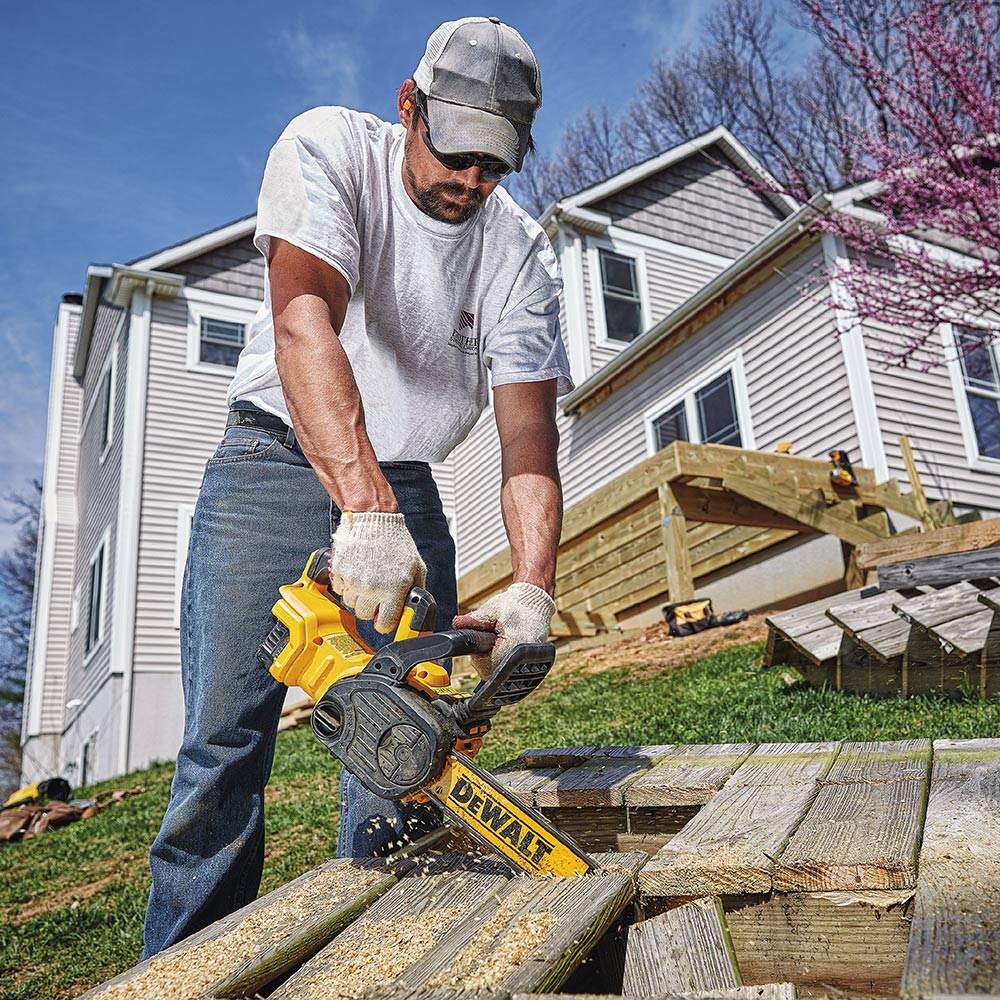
[456, 128]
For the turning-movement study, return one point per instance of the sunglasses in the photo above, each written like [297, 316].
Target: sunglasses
[491, 168]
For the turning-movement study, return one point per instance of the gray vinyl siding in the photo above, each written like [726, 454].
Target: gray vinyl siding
[234, 269]
[796, 386]
[98, 485]
[922, 404]
[185, 417]
[49, 653]
[671, 279]
[700, 202]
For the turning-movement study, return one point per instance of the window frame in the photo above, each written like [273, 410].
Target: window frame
[685, 392]
[624, 249]
[977, 462]
[185, 520]
[109, 371]
[100, 553]
[204, 308]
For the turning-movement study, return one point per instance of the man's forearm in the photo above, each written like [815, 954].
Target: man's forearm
[328, 416]
[531, 502]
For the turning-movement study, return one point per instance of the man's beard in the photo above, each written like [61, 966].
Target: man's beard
[435, 203]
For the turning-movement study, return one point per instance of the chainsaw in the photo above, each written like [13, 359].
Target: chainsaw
[395, 721]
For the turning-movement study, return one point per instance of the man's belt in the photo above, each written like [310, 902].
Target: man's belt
[262, 421]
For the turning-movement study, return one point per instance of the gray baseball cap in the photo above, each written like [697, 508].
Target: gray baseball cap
[482, 86]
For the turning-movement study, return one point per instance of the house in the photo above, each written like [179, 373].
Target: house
[686, 315]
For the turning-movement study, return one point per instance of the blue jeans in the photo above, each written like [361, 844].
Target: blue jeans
[260, 512]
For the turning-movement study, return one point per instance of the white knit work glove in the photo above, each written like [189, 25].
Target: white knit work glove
[522, 613]
[374, 564]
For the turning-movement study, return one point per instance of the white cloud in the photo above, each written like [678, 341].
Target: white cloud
[326, 66]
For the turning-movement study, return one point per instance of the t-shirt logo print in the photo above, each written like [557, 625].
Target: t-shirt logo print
[464, 338]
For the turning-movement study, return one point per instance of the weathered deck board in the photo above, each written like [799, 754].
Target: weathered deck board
[773, 991]
[597, 782]
[650, 753]
[815, 940]
[863, 830]
[954, 945]
[941, 570]
[523, 781]
[937, 606]
[538, 932]
[729, 846]
[808, 617]
[864, 613]
[964, 636]
[249, 948]
[683, 950]
[555, 756]
[688, 775]
[402, 927]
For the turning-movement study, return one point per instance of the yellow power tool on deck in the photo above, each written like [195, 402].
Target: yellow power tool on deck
[395, 721]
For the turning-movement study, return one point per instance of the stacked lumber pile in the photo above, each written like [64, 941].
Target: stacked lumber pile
[930, 626]
[835, 869]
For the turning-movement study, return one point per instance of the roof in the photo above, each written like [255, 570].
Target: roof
[575, 206]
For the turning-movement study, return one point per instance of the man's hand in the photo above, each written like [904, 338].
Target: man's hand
[522, 613]
[374, 564]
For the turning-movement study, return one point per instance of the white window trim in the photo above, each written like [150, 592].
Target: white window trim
[977, 462]
[185, 513]
[732, 362]
[626, 249]
[110, 365]
[100, 552]
[234, 311]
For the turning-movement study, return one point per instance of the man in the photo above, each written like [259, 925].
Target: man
[398, 273]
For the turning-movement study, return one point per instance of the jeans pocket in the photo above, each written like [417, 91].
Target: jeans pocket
[239, 444]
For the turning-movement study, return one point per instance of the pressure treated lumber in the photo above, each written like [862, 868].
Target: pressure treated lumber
[685, 950]
[537, 934]
[716, 506]
[402, 927]
[954, 945]
[863, 830]
[674, 538]
[922, 545]
[687, 775]
[248, 949]
[729, 846]
[940, 571]
[916, 487]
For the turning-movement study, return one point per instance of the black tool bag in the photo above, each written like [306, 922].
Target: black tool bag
[688, 617]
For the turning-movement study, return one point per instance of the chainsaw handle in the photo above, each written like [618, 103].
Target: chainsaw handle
[472, 640]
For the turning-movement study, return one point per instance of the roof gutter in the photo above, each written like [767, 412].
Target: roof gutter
[120, 281]
[784, 233]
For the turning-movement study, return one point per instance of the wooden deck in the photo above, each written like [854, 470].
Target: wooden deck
[737, 871]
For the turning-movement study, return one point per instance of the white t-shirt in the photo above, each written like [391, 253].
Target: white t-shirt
[433, 305]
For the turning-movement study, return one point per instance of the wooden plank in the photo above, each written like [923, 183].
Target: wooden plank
[991, 598]
[809, 617]
[688, 775]
[522, 781]
[940, 542]
[854, 942]
[537, 933]
[395, 933]
[729, 846]
[954, 945]
[887, 641]
[941, 570]
[820, 647]
[916, 487]
[741, 544]
[648, 753]
[555, 756]
[718, 506]
[863, 830]
[938, 606]
[685, 950]
[594, 783]
[772, 991]
[964, 636]
[673, 535]
[245, 951]
[856, 616]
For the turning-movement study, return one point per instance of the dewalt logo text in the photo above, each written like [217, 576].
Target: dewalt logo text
[479, 807]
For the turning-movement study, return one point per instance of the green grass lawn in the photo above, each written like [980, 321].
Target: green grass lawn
[73, 899]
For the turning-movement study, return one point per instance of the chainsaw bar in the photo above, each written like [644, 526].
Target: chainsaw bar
[519, 833]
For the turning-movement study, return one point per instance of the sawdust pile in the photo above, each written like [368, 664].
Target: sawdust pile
[372, 953]
[502, 943]
[191, 972]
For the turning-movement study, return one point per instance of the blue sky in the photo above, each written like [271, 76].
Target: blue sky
[128, 127]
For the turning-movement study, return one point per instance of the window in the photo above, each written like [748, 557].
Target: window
[220, 341]
[711, 410]
[95, 599]
[977, 355]
[620, 292]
